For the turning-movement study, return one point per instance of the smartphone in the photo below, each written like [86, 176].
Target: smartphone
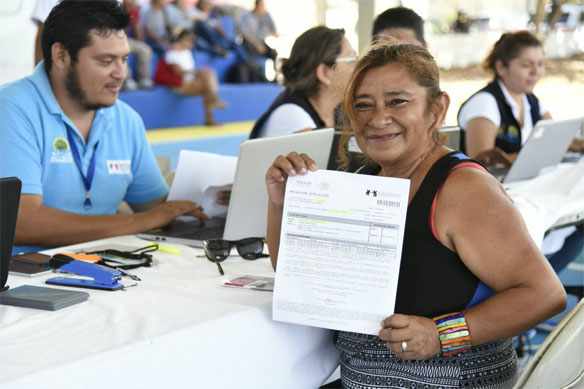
[30, 264]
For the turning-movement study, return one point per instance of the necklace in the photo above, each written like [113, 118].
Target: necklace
[423, 158]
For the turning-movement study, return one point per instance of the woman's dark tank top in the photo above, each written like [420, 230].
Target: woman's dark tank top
[433, 280]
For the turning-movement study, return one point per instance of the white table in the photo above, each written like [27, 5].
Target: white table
[551, 200]
[178, 328]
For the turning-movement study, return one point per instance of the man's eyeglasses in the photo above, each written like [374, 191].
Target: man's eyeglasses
[217, 250]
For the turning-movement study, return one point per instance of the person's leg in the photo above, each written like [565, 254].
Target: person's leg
[270, 53]
[204, 83]
[143, 54]
[157, 47]
[572, 247]
[210, 39]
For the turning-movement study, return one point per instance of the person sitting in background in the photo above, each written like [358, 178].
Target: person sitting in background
[399, 24]
[211, 37]
[497, 120]
[41, 10]
[189, 80]
[463, 271]
[156, 27]
[255, 26]
[181, 16]
[139, 48]
[78, 150]
[315, 75]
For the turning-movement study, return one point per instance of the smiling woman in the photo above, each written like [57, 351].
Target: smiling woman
[463, 284]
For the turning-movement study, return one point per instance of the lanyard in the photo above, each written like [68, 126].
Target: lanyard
[90, 170]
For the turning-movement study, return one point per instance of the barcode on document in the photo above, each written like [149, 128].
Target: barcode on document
[388, 203]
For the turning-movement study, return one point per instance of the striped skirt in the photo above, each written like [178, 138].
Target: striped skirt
[367, 363]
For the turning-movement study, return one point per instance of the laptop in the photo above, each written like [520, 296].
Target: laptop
[545, 147]
[452, 134]
[9, 201]
[247, 212]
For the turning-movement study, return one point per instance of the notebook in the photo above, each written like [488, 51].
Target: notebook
[40, 297]
[545, 147]
[247, 212]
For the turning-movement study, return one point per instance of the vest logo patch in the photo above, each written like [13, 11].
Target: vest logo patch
[118, 166]
[61, 152]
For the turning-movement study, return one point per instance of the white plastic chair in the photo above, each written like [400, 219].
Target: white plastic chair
[559, 361]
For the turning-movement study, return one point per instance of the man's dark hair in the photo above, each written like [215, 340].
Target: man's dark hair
[399, 17]
[71, 21]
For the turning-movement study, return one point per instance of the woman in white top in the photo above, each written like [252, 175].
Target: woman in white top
[179, 57]
[315, 76]
[497, 120]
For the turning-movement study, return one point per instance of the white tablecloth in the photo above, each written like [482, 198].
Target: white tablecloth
[544, 200]
[178, 328]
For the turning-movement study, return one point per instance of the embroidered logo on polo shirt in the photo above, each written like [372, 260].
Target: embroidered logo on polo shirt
[118, 166]
[61, 152]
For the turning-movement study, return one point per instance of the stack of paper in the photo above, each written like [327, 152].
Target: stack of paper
[199, 176]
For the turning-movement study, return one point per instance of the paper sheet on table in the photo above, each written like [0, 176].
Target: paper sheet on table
[340, 250]
[199, 176]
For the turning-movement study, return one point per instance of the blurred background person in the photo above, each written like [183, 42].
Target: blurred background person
[139, 48]
[462, 22]
[315, 76]
[210, 34]
[41, 10]
[400, 24]
[186, 78]
[497, 120]
[156, 28]
[180, 15]
[255, 26]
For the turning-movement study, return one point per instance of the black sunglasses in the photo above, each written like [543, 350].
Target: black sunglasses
[218, 250]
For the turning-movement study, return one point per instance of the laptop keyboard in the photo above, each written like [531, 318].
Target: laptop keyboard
[203, 234]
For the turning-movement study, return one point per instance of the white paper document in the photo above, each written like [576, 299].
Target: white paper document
[340, 250]
[199, 176]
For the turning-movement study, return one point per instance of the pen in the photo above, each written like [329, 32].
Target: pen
[126, 273]
[166, 248]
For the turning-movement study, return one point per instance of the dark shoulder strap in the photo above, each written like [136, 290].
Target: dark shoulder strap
[435, 177]
[286, 97]
[535, 109]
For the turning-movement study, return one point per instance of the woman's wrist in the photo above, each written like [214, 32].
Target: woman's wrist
[453, 333]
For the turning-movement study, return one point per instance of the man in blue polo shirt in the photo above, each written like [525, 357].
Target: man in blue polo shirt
[77, 149]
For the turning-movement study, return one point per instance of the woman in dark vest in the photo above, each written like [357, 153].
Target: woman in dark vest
[497, 120]
[315, 75]
[467, 281]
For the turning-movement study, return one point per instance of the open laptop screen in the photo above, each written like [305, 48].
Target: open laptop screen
[9, 200]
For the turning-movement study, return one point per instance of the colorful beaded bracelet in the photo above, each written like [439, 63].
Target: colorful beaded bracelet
[453, 332]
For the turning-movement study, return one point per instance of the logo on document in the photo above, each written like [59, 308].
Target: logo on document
[118, 166]
[61, 152]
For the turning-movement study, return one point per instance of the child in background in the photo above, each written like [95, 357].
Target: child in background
[193, 81]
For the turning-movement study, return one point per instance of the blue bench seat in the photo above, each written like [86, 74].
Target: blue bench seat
[161, 107]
